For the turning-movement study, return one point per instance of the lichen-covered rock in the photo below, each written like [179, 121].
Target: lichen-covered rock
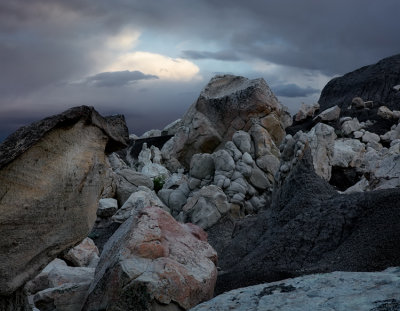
[152, 262]
[372, 291]
[52, 174]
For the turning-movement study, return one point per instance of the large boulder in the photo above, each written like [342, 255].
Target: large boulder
[373, 291]
[227, 104]
[371, 83]
[310, 228]
[154, 263]
[52, 174]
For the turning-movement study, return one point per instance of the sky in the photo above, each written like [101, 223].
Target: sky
[149, 60]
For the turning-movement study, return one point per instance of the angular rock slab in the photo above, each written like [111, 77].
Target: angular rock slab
[153, 261]
[51, 177]
[372, 291]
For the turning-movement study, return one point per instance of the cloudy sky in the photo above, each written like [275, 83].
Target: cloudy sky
[149, 60]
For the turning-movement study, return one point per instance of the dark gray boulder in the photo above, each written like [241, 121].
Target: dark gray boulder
[310, 228]
[371, 83]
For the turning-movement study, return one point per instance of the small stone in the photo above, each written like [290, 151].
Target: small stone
[107, 207]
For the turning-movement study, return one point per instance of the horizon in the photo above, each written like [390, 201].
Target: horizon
[150, 62]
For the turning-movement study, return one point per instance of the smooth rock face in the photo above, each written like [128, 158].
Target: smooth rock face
[152, 260]
[51, 177]
[330, 114]
[371, 83]
[225, 106]
[372, 291]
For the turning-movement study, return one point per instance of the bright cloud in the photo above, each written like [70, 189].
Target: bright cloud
[164, 67]
[123, 41]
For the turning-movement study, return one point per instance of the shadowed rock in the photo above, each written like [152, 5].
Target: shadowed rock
[311, 228]
[52, 174]
[372, 83]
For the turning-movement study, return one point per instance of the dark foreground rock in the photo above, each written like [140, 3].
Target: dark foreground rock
[372, 83]
[311, 228]
[52, 174]
[369, 291]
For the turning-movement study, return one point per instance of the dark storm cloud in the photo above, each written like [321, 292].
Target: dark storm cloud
[220, 55]
[117, 78]
[293, 90]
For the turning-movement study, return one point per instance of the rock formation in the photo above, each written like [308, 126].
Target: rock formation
[51, 177]
[371, 83]
[227, 104]
[373, 291]
[151, 262]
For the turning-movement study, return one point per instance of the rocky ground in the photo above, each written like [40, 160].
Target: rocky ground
[231, 197]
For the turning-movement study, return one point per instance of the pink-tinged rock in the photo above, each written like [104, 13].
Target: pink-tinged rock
[85, 254]
[152, 262]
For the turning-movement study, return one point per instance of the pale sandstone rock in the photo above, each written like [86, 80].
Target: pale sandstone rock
[348, 152]
[385, 112]
[321, 139]
[85, 254]
[205, 207]
[138, 200]
[306, 111]
[330, 114]
[152, 260]
[225, 106]
[51, 178]
[107, 207]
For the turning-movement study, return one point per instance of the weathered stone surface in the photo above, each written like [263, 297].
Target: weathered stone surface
[348, 152]
[310, 228]
[263, 143]
[242, 141]
[66, 297]
[372, 291]
[128, 181]
[374, 82]
[60, 287]
[138, 200]
[385, 112]
[306, 111]
[151, 133]
[223, 162]
[151, 260]
[350, 126]
[225, 106]
[172, 128]
[268, 163]
[154, 170]
[274, 127]
[85, 254]
[205, 207]
[51, 178]
[369, 137]
[107, 207]
[321, 139]
[202, 165]
[259, 179]
[330, 114]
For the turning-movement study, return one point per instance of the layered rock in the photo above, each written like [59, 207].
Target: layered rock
[52, 174]
[374, 291]
[371, 83]
[227, 104]
[154, 263]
